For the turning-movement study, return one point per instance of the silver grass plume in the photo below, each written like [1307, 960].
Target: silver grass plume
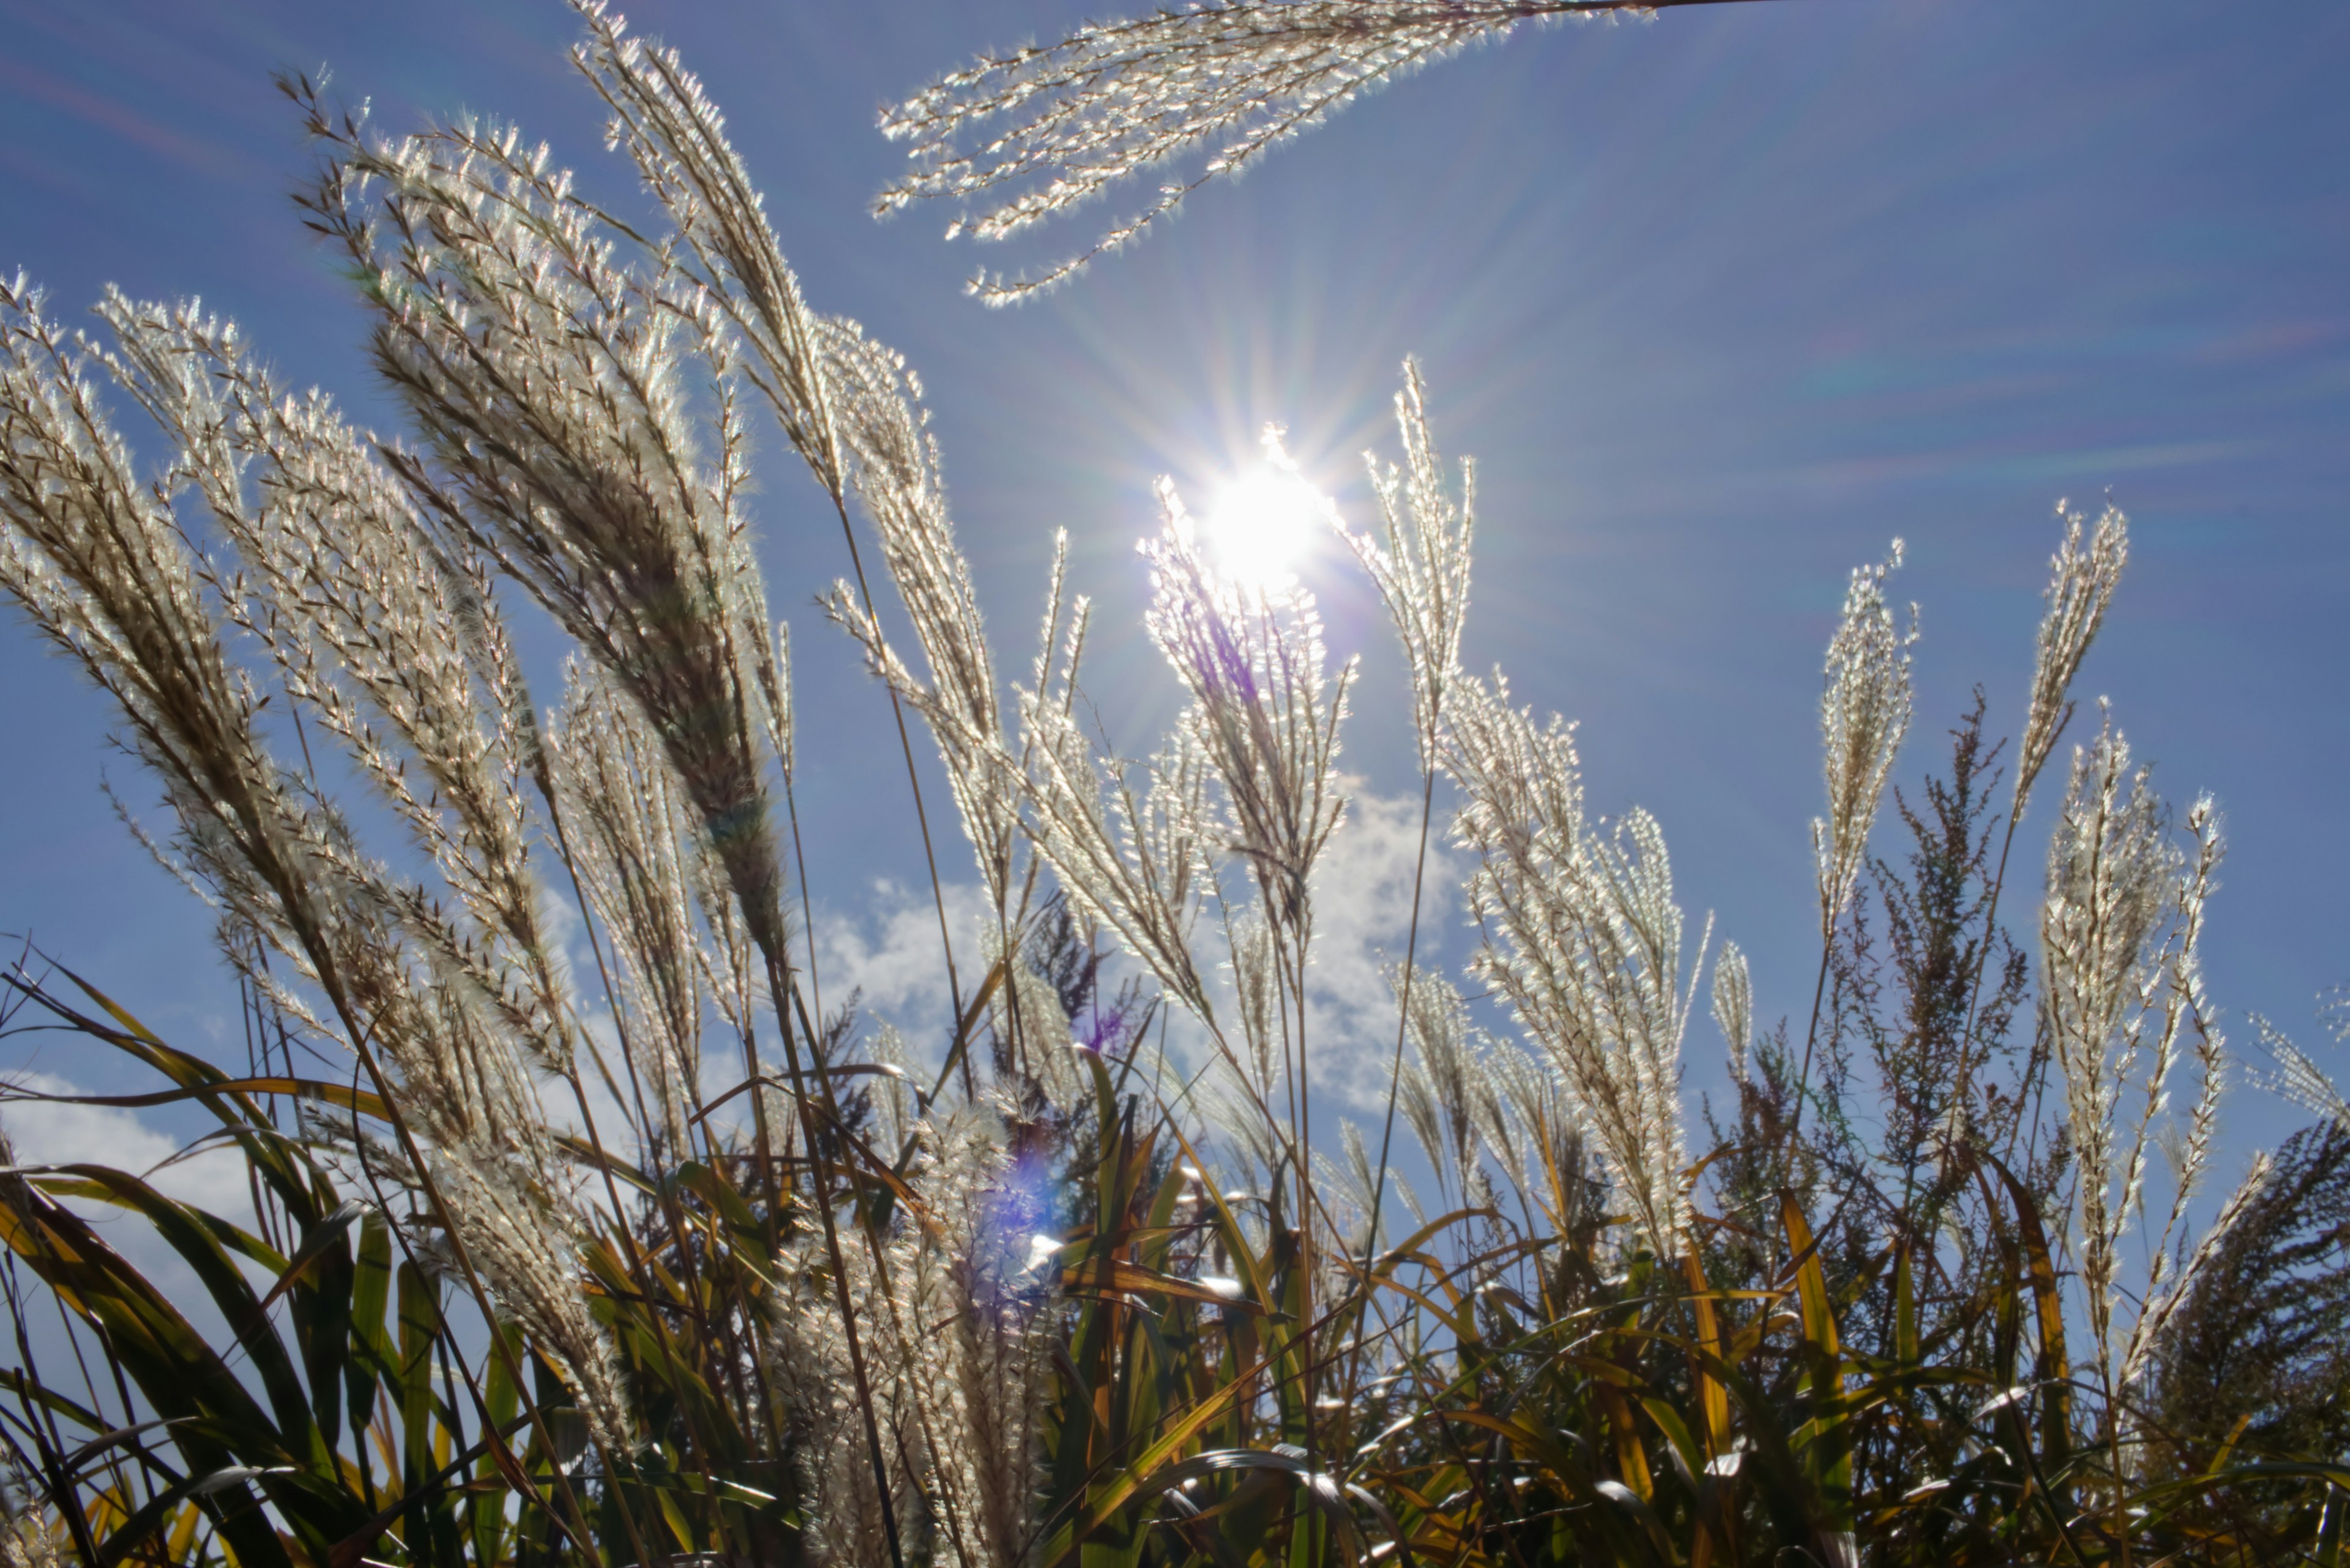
[1734, 1006]
[26, 1541]
[775, 687]
[885, 429]
[98, 563]
[1256, 1001]
[996, 1351]
[1421, 567]
[1582, 939]
[1025, 1013]
[1536, 1133]
[554, 385]
[668, 600]
[1263, 711]
[26, 1538]
[1445, 1087]
[628, 833]
[2120, 935]
[1113, 100]
[678, 139]
[894, 1092]
[1129, 852]
[1864, 716]
[1247, 1078]
[960, 1370]
[815, 1373]
[2165, 1296]
[2299, 1079]
[2081, 586]
[525, 1238]
[393, 644]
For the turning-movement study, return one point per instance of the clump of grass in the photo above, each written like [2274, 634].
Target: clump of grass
[1024, 1293]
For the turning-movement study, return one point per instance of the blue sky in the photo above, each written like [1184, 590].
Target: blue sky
[1722, 302]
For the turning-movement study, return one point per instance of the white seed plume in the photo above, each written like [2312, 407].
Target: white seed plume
[524, 1240]
[1535, 1132]
[99, 564]
[1734, 1006]
[959, 1367]
[1864, 715]
[25, 1539]
[1025, 1017]
[2299, 1079]
[2166, 1295]
[2121, 930]
[1582, 939]
[394, 645]
[884, 427]
[1445, 1089]
[1256, 999]
[553, 384]
[628, 833]
[678, 138]
[1421, 568]
[1116, 98]
[2080, 587]
[1129, 853]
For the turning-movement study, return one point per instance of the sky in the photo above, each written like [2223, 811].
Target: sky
[1722, 302]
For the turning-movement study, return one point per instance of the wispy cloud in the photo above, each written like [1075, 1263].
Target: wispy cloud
[1362, 902]
[888, 955]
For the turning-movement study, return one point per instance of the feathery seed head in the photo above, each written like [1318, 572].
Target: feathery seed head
[2121, 931]
[894, 465]
[553, 384]
[1114, 99]
[2080, 587]
[1734, 1006]
[1864, 715]
[1131, 854]
[1582, 940]
[678, 139]
[1421, 569]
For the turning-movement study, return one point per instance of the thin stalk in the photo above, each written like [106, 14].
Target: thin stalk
[913, 780]
[1982, 961]
[807, 909]
[1811, 1033]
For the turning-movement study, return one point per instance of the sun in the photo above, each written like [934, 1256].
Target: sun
[1263, 525]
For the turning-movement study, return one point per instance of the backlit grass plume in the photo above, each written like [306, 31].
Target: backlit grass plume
[1583, 939]
[1027, 135]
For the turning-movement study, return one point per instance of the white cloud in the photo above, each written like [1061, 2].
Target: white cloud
[1362, 921]
[889, 953]
[212, 1179]
[53, 1133]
